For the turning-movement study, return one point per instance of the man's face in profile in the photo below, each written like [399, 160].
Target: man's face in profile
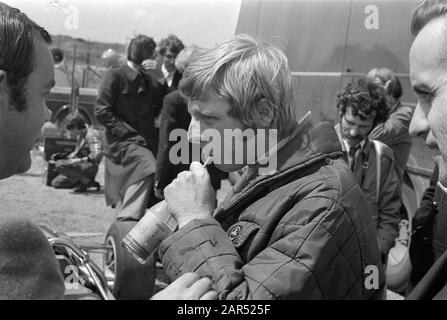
[20, 129]
[212, 113]
[428, 75]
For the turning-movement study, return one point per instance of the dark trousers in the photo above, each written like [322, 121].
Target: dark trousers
[73, 174]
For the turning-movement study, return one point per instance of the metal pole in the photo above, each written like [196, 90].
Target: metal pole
[73, 104]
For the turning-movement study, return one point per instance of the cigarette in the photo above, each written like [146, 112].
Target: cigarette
[207, 162]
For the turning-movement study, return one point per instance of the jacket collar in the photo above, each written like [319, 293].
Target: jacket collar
[310, 145]
[133, 75]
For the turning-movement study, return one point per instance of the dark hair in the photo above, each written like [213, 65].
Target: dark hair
[425, 12]
[75, 121]
[17, 36]
[364, 99]
[171, 43]
[140, 48]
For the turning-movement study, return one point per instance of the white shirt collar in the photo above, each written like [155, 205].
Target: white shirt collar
[348, 146]
[169, 76]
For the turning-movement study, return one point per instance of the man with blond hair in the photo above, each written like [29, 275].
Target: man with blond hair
[299, 229]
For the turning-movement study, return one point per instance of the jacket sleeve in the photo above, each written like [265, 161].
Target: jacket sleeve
[394, 129]
[106, 105]
[292, 267]
[168, 122]
[389, 207]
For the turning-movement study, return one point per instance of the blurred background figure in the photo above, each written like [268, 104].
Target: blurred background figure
[123, 107]
[79, 168]
[168, 49]
[393, 131]
[111, 59]
[371, 162]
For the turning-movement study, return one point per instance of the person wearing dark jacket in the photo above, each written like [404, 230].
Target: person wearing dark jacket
[296, 226]
[423, 250]
[124, 108]
[372, 162]
[80, 167]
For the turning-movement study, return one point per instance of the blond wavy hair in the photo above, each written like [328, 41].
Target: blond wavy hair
[245, 72]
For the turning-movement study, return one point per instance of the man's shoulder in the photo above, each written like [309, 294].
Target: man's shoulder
[332, 181]
[114, 75]
[385, 151]
[175, 97]
[403, 111]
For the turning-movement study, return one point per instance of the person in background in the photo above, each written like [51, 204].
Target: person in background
[422, 255]
[168, 49]
[78, 170]
[372, 162]
[124, 108]
[111, 59]
[394, 131]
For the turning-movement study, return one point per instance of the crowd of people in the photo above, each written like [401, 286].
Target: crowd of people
[309, 228]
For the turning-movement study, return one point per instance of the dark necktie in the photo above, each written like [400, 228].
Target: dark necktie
[352, 153]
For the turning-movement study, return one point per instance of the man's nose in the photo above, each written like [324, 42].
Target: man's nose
[354, 132]
[419, 123]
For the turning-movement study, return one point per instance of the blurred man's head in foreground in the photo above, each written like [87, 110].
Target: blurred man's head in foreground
[428, 76]
[26, 77]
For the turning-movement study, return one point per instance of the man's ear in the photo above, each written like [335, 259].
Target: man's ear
[265, 114]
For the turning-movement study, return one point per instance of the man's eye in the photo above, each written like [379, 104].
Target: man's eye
[425, 95]
[206, 118]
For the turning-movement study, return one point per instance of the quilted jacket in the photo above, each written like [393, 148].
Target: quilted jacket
[303, 232]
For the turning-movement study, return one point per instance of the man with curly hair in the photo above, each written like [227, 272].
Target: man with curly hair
[361, 108]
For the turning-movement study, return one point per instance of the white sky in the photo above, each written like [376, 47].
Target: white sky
[203, 22]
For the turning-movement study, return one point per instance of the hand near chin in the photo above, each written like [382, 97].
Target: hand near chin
[190, 196]
[188, 287]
